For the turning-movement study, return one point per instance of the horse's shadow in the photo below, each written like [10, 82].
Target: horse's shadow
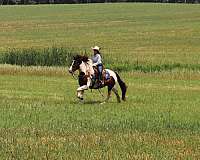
[92, 102]
[87, 102]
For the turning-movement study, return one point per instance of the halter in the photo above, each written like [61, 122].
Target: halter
[72, 73]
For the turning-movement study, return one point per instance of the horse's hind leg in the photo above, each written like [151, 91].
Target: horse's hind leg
[109, 93]
[108, 96]
[116, 93]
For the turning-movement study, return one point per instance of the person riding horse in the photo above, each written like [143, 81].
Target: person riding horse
[86, 71]
[97, 62]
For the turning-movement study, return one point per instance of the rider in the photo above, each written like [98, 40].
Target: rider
[97, 61]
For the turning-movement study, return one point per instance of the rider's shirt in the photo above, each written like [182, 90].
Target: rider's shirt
[96, 59]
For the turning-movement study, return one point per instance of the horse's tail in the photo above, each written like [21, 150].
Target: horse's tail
[122, 86]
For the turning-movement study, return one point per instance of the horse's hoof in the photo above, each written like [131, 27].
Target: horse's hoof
[118, 100]
[102, 103]
[81, 102]
[80, 98]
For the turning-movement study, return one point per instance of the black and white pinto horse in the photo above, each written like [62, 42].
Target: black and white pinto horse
[87, 74]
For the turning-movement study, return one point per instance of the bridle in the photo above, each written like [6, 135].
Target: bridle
[72, 72]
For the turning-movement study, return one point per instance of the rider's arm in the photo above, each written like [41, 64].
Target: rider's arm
[98, 60]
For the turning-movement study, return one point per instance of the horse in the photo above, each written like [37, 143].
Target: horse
[88, 74]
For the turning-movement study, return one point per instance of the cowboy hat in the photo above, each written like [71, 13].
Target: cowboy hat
[96, 48]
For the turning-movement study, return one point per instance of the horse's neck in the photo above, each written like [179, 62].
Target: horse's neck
[87, 68]
[83, 68]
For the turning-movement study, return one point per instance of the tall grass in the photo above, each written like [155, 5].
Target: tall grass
[61, 56]
[52, 56]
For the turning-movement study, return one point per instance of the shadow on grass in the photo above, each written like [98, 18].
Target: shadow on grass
[92, 102]
[86, 102]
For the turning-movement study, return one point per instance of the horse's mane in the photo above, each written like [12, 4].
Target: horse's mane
[82, 58]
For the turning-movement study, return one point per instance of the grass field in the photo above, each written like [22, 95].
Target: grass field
[149, 33]
[40, 117]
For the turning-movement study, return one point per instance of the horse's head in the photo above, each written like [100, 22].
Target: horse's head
[77, 61]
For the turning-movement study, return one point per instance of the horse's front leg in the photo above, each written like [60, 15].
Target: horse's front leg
[80, 94]
[81, 89]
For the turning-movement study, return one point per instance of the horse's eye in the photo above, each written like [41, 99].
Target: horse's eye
[78, 62]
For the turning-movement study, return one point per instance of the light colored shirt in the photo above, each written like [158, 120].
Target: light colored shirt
[96, 59]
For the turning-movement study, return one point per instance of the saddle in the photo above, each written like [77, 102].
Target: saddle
[105, 77]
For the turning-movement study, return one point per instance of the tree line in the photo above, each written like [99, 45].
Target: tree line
[9, 2]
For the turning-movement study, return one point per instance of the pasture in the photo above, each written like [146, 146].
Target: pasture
[40, 117]
[148, 33]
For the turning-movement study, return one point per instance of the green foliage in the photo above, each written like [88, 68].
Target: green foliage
[2, 58]
[39, 57]
[136, 66]
[60, 56]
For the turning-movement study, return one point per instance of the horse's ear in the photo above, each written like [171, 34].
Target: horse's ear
[75, 57]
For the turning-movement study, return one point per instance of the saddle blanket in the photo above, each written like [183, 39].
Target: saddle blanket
[107, 75]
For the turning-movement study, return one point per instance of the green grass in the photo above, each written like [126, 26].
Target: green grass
[41, 118]
[148, 33]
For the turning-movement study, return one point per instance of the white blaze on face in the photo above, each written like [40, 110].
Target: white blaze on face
[70, 68]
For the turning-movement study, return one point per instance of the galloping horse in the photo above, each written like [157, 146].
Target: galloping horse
[87, 75]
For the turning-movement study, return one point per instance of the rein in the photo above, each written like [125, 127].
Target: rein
[75, 77]
[100, 92]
